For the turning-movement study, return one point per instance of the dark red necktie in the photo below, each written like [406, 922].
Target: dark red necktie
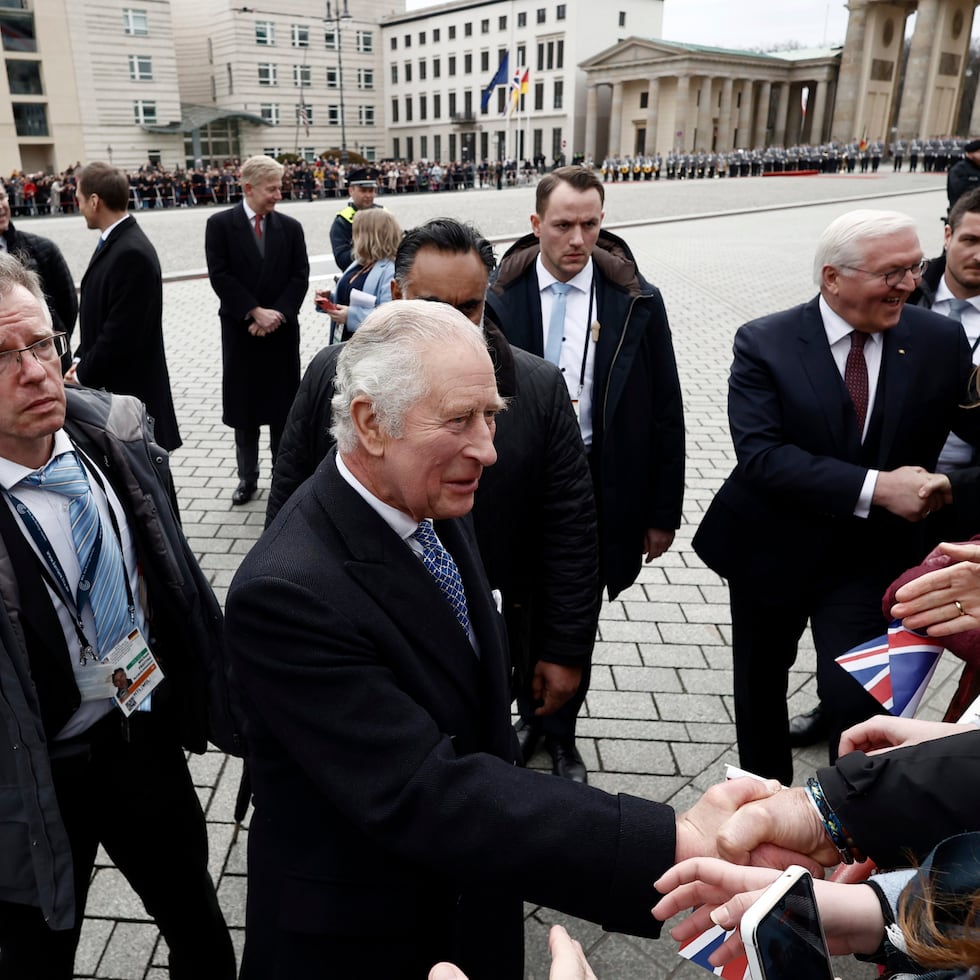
[856, 377]
[258, 227]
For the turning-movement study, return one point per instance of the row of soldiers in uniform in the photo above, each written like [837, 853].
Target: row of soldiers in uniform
[858, 156]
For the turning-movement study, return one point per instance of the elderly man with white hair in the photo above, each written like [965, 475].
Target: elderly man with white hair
[393, 825]
[838, 411]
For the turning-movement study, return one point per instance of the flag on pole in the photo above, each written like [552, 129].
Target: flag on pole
[304, 116]
[499, 79]
[698, 949]
[518, 88]
[804, 99]
[894, 669]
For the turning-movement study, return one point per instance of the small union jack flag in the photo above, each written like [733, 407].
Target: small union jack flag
[698, 949]
[894, 669]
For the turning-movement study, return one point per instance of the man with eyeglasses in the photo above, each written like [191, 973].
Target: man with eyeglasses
[838, 411]
[95, 576]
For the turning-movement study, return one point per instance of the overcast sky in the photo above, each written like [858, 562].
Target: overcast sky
[748, 24]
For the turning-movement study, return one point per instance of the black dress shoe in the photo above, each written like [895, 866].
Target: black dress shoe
[243, 493]
[565, 758]
[809, 728]
[528, 735]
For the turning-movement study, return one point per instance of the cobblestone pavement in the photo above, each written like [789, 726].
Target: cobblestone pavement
[658, 721]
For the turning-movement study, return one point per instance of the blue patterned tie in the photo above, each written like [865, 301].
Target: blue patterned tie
[556, 326]
[443, 569]
[102, 581]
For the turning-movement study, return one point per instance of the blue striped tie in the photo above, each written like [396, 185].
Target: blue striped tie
[102, 582]
[443, 569]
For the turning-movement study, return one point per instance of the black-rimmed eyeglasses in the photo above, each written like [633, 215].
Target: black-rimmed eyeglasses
[894, 276]
[45, 350]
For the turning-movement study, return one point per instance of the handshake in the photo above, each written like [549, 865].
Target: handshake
[911, 492]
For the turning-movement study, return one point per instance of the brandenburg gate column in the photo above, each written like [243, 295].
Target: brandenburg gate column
[591, 119]
[725, 116]
[920, 71]
[682, 102]
[819, 98]
[653, 105]
[851, 73]
[782, 115]
[762, 114]
[616, 120]
[745, 115]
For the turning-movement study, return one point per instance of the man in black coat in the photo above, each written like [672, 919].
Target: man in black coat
[258, 266]
[614, 349]
[964, 175]
[42, 256]
[392, 828]
[534, 513]
[121, 309]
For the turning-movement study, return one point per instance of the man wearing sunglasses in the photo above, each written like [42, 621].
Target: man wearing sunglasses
[838, 411]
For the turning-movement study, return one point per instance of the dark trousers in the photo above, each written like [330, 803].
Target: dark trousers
[843, 612]
[247, 450]
[135, 798]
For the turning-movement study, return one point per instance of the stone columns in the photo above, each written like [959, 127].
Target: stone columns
[705, 115]
[782, 115]
[591, 120]
[762, 114]
[849, 79]
[682, 105]
[745, 116]
[616, 120]
[818, 100]
[920, 72]
[725, 116]
[653, 107]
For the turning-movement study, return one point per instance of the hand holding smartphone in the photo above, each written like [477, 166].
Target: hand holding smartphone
[782, 933]
[324, 303]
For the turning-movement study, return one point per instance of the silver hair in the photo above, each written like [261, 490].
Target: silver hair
[844, 240]
[258, 168]
[13, 272]
[386, 361]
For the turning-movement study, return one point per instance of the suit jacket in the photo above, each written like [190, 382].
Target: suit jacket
[785, 514]
[261, 374]
[388, 803]
[121, 327]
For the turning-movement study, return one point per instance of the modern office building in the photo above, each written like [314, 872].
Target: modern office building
[439, 60]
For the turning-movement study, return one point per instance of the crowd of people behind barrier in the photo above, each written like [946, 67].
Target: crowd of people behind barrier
[153, 186]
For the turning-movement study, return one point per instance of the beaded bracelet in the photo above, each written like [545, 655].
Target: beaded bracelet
[839, 837]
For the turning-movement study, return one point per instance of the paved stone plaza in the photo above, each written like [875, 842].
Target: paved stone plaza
[658, 720]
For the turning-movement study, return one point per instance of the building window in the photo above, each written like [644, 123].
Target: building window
[622, 18]
[541, 15]
[522, 20]
[409, 148]
[365, 42]
[539, 95]
[551, 55]
[437, 147]
[485, 26]
[333, 77]
[452, 32]
[560, 12]
[559, 93]
[365, 78]
[265, 33]
[502, 23]
[408, 71]
[452, 104]
[144, 113]
[330, 39]
[408, 40]
[436, 34]
[394, 43]
[560, 54]
[135, 22]
[540, 56]
[394, 74]
[421, 69]
[556, 151]
[17, 30]
[269, 111]
[272, 151]
[231, 78]
[501, 99]
[421, 37]
[436, 106]
[365, 115]
[644, 99]
[24, 77]
[307, 109]
[396, 145]
[424, 147]
[30, 119]
[484, 61]
[394, 114]
[521, 54]
[140, 68]
[408, 108]
[467, 64]
[468, 104]
[301, 36]
[467, 29]
[268, 74]
[333, 115]
[423, 107]
[452, 65]
[302, 76]
[436, 68]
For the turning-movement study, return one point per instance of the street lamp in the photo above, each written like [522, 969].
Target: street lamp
[336, 19]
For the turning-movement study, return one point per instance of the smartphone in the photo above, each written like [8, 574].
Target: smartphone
[325, 304]
[782, 933]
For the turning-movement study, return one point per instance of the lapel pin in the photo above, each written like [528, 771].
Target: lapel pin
[901, 350]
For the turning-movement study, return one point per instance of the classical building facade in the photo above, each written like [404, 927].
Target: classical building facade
[438, 61]
[646, 96]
